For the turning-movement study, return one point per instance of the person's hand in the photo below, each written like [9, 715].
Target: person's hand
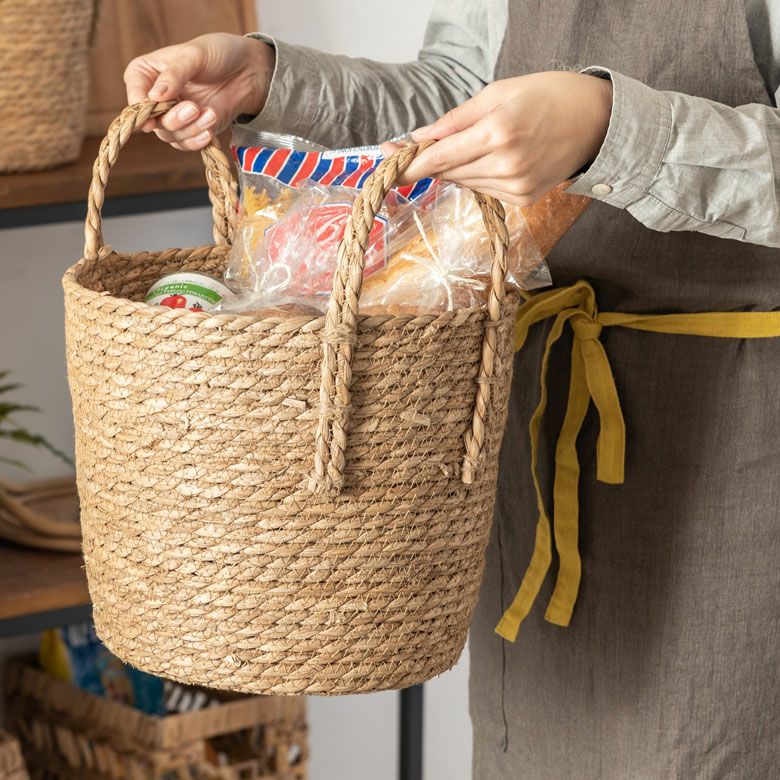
[216, 77]
[517, 138]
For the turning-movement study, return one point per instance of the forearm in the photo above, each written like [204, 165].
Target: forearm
[339, 101]
[678, 162]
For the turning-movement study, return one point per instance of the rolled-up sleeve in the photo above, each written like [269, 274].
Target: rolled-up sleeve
[340, 101]
[678, 162]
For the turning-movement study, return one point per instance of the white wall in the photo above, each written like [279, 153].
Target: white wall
[381, 30]
[353, 738]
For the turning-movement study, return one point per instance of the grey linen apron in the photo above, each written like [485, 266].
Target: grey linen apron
[669, 668]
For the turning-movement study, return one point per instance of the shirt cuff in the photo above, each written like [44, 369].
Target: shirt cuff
[640, 126]
[292, 91]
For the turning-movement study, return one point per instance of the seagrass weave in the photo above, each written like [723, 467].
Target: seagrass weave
[12, 765]
[70, 734]
[280, 505]
[43, 86]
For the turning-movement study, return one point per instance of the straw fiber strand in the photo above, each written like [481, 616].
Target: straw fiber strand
[43, 88]
[209, 558]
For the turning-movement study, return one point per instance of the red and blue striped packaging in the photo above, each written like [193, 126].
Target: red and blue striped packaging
[294, 162]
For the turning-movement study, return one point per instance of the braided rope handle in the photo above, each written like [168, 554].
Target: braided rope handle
[340, 334]
[494, 217]
[221, 184]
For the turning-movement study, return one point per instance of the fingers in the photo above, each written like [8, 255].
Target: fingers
[180, 64]
[504, 195]
[460, 117]
[449, 153]
[459, 135]
[193, 144]
[186, 119]
[162, 75]
[139, 77]
[186, 126]
[490, 167]
[497, 194]
[388, 147]
[190, 139]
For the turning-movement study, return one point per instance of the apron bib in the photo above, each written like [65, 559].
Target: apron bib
[668, 669]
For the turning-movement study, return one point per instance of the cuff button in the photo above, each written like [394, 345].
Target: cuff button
[601, 189]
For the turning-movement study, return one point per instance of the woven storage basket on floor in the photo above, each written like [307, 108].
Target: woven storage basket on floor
[69, 734]
[43, 87]
[278, 505]
[12, 765]
[42, 514]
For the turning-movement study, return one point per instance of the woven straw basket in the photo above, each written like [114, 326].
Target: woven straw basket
[43, 87]
[70, 734]
[281, 505]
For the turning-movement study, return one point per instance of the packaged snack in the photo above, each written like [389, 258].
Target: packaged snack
[187, 290]
[272, 172]
[427, 252]
[550, 218]
[447, 264]
[294, 259]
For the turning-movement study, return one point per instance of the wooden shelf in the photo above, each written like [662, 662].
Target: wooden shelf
[33, 581]
[146, 165]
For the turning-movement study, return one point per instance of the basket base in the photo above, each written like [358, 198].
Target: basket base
[316, 677]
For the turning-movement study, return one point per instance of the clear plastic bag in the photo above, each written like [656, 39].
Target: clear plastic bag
[293, 262]
[447, 265]
[273, 169]
[428, 250]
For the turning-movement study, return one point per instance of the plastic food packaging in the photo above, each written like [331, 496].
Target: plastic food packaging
[446, 266]
[187, 290]
[427, 252]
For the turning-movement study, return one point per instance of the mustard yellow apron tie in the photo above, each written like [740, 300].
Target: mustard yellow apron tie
[591, 380]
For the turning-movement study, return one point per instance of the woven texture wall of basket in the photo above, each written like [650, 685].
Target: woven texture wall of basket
[69, 734]
[286, 504]
[12, 766]
[43, 90]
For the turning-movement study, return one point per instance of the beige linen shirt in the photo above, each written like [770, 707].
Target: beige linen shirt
[674, 161]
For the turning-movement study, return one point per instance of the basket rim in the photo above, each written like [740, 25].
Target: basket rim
[184, 317]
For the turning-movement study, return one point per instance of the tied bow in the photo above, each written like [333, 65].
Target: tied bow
[591, 380]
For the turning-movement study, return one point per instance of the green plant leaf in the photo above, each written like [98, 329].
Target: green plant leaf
[16, 433]
[25, 437]
[10, 408]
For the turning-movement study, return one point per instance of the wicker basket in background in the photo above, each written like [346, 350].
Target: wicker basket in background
[69, 734]
[43, 86]
[42, 514]
[282, 504]
[11, 761]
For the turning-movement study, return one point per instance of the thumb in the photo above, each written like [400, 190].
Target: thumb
[166, 72]
[171, 82]
[459, 118]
